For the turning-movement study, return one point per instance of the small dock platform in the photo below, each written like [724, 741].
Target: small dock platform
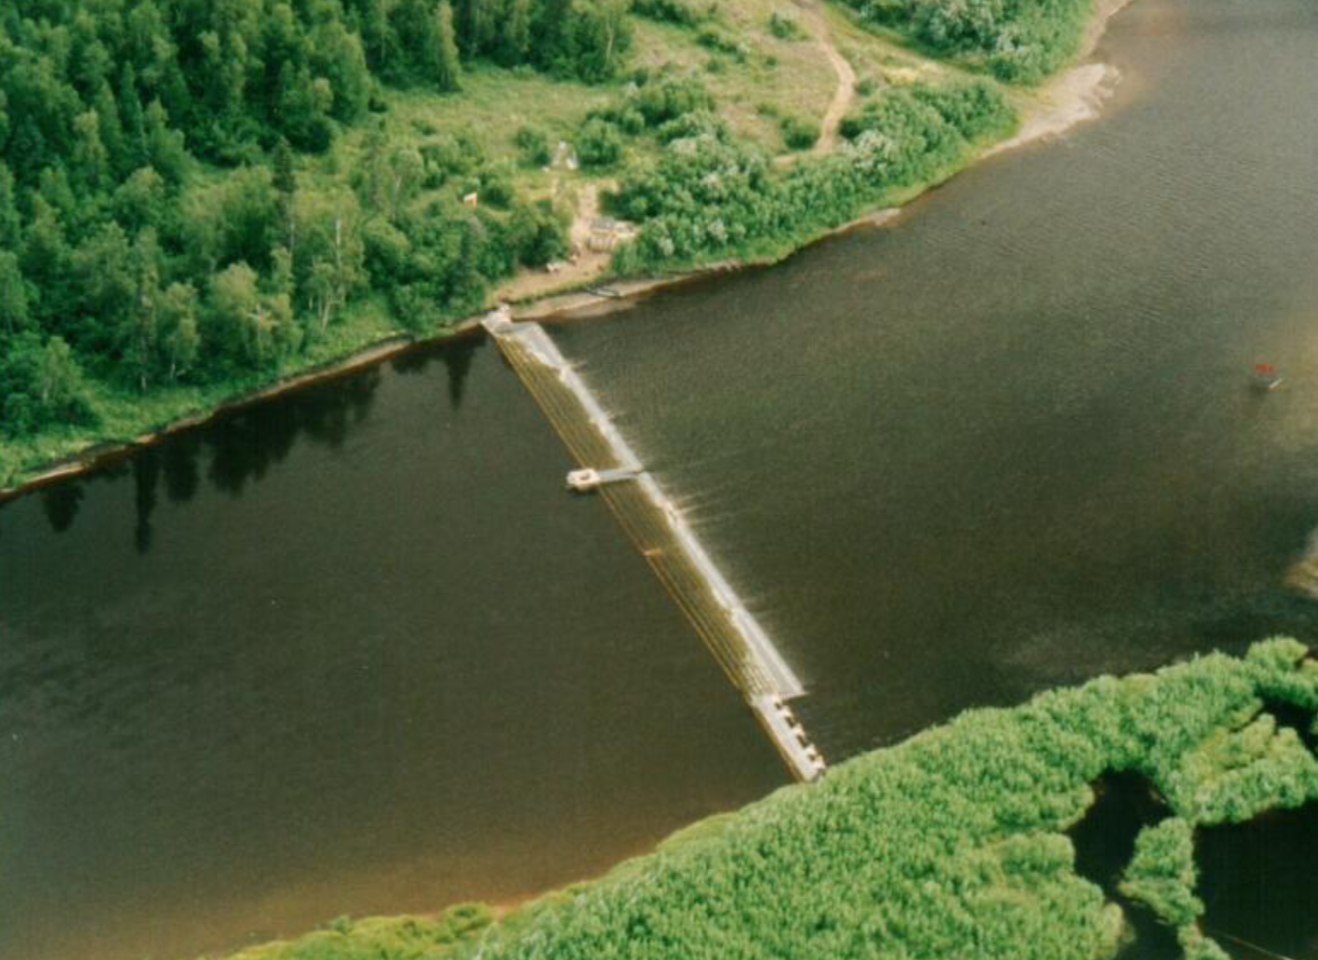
[589, 479]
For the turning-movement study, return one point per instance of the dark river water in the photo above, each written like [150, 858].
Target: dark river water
[356, 651]
[1009, 443]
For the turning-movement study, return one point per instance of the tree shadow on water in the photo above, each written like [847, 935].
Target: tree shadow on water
[146, 478]
[457, 355]
[60, 504]
[247, 443]
[241, 447]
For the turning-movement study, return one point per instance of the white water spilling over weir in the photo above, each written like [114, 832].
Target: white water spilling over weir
[655, 525]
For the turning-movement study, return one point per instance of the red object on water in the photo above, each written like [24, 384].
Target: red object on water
[1263, 368]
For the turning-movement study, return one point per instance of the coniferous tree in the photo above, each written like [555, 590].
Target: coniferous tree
[110, 244]
[303, 111]
[13, 294]
[165, 147]
[10, 225]
[337, 56]
[285, 184]
[379, 41]
[139, 327]
[448, 67]
[475, 26]
[46, 262]
[141, 201]
[111, 130]
[90, 160]
[515, 33]
[131, 119]
[550, 29]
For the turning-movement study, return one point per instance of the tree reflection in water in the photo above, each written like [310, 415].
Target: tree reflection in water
[239, 447]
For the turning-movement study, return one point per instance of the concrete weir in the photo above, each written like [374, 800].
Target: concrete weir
[663, 536]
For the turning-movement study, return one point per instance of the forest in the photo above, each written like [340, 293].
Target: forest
[955, 843]
[199, 198]
[156, 220]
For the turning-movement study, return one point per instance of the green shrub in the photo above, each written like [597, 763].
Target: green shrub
[599, 144]
[533, 146]
[1162, 873]
[952, 844]
[718, 41]
[706, 197]
[1022, 41]
[799, 133]
[784, 26]
[681, 13]
[669, 98]
[496, 186]
[701, 123]
[381, 938]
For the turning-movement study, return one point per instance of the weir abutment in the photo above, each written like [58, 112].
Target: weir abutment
[731, 632]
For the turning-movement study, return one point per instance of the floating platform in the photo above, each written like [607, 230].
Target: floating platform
[589, 479]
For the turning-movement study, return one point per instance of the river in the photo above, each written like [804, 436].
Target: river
[355, 650]
[1008, 442]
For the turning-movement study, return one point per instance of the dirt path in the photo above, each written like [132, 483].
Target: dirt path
[846, 77]
[585, 266]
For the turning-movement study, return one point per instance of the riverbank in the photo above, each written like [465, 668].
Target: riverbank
[966, 840]
[1071, 98]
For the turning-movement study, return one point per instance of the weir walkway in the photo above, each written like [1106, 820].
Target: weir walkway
[662, 535]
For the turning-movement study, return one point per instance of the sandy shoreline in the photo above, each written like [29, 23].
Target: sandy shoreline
[1074, 96]
[1069, 99]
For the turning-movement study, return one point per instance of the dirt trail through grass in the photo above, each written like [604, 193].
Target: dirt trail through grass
[846, 77]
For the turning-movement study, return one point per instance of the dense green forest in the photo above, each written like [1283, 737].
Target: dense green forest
[955, 843]
[154, 222]
[197, 198]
